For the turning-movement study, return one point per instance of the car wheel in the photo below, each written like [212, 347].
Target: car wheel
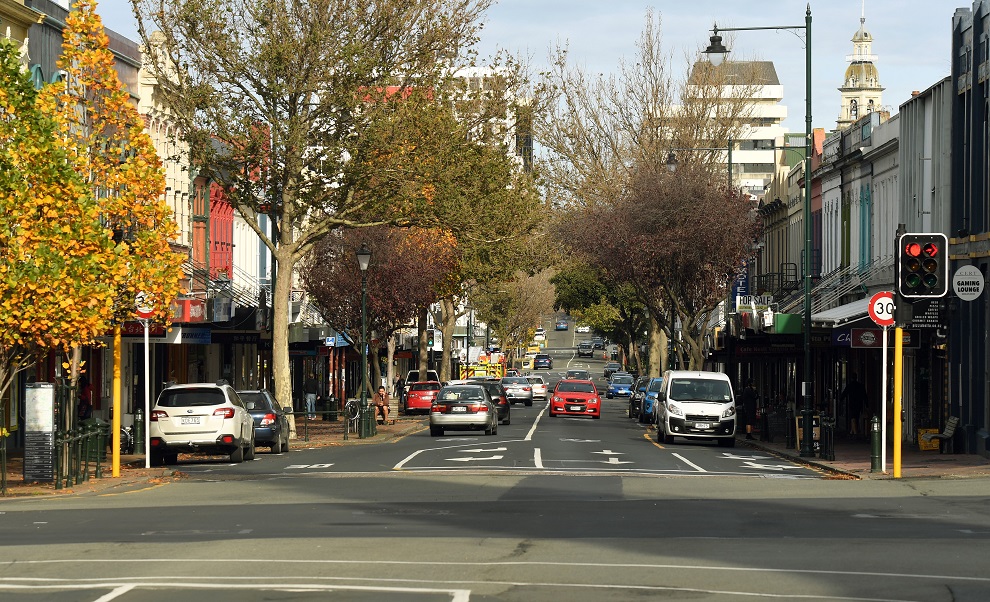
[237, 456]
[276, 447]
[489, 431]
[157, 459]
[436, 431]
[663, 437]
[629, 411]
[529, 403]
[507, 419]
[285, 444]
[727, 442]
[249, 452]
[172, 458]
[608, 397]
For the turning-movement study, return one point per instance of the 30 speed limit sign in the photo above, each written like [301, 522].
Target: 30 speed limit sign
[882, 308]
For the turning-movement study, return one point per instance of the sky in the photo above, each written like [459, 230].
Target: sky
[911, 39]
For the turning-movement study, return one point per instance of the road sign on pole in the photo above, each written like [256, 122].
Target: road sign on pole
[881, 308]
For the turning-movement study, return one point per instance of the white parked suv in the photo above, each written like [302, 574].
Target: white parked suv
[200, 418]
[696, 405]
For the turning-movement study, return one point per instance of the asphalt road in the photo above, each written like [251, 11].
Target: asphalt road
[589, 509]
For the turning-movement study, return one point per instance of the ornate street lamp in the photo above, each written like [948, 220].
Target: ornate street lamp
[716, 51]
[672, 158]
[367, 428]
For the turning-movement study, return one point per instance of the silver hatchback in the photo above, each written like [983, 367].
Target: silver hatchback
[518, 389]
[463, 408]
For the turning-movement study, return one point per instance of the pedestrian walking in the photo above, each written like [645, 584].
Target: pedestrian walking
[312, 390]
[855, 397]
[749, 399]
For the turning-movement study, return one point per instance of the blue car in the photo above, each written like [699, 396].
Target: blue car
[649, 406]
[620, 385]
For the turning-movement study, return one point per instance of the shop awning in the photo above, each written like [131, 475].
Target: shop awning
[842, 314]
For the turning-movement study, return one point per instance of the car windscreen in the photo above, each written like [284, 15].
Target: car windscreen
[255, 400]
[183, 398]
[700, 389]
[622, 380]
[494, 389]
[566, 387]
[515, 381]
[425, 387]
[462, 394]
[536, 380]
[656, 385]
[578, 374]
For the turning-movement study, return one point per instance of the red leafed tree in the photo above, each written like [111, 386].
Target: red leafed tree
[407, 269]
[678, 239]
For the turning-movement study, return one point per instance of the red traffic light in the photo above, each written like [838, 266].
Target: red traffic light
[913, 249]
[930, 250]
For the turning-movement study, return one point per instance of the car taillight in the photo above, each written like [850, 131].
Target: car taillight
[225, 412]
[269, 419]
[227, 439]
[527, 389]
[156, 414]
[439, 408]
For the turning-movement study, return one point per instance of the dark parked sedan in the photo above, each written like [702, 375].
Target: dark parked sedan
[271, 426]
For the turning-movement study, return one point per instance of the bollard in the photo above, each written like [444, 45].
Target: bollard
[139, 432]
[875, 465]
[827, 451]
[791, 439]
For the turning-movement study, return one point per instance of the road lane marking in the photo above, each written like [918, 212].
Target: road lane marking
[538, 458]
[583, 440]
[407, 459]
[769, 466]
[615, 461]
[479, 450]
[473, 459]
[529, 435]
[732, 456]
[689, 463]
[305, 466]
[609, 452]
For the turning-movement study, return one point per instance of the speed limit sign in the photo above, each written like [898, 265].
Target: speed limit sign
[882, 308]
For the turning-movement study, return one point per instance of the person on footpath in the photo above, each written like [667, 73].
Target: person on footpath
[312, 389]
[749, 400]
[381, 400]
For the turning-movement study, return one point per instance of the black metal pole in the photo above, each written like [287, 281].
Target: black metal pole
[365, 416]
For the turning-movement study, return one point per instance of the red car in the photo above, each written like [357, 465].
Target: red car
[420, 397]
[576, 398]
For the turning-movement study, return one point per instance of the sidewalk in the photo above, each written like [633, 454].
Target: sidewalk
[853, 460]
[134, 476]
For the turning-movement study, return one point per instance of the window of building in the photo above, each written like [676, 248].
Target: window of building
[853, 109]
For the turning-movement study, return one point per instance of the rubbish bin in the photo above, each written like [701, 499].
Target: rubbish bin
[100, 433]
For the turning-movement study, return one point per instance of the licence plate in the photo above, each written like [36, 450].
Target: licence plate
[458, 409]
[188, 419]
[575, 408]
[702, 425]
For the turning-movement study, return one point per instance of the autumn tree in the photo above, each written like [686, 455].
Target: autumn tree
[513, 308]
[407, 268]
[54, 250]
[607, 140]
[309, 111]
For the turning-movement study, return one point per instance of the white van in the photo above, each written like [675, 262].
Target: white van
[696, 405]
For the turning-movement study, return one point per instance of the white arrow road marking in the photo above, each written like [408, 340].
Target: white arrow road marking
[494, 449]
[615, 461]
[583, 440]
[732, 456]
[473, 459]
[609, 452]
[304, 466]
[538, 458]
[768, 466]
[689, 463]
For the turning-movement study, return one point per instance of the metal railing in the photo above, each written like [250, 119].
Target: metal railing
[75, 449]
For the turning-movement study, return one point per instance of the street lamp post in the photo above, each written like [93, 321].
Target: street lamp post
[367, 424]
[672, 158]
[716, 51]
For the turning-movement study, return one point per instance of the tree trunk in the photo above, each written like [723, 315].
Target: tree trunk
[280, 331]
[424, 354]
[448, 316]
[390, 363]
[658, 347]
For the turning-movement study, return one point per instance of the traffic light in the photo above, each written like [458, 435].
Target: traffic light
[923, 265]
[429, 337]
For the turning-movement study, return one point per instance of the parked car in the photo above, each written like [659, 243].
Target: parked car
[636, 396]
[585, 349]
[578, 374]
[271, 422]
[463, 407]
[543, 360]
[539, 386]
[540, 335]
[611, 368]
[200, 418]
[561, 325]
[518, 390]
[696, 405]
[650, 406]
[420, 396]
[413, 377]
[620, 385]
[582, 328]
[575, 398]
[598, 343]
[495, 390]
